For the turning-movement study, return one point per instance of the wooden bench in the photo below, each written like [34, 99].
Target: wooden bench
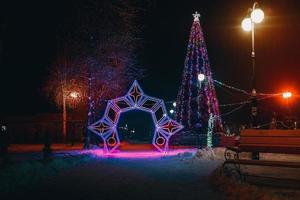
[264, 141]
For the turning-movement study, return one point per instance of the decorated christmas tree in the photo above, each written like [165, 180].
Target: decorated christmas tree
[197, 104]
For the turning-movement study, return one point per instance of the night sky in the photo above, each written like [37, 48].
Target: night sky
[29, 47]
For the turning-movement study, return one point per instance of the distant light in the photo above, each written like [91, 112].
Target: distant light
[201, 77]
[257, 15]
[74, 95]
[247, 24]
[287, 95]
[174, 104]
[171, 111]
[3, 128]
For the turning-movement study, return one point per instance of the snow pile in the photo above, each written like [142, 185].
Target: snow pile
[218, 154]
[185, 156]
[210, 154]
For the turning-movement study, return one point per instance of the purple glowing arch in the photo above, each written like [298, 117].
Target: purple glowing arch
[135, 99]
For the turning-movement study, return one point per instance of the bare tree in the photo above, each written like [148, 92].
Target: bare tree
[101, 43]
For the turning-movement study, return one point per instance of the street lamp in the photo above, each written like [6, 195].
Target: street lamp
[287, 95]
[257, 15]
[248, 24]
[73, 95]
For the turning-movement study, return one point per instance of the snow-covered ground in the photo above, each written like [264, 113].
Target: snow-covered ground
[264, 182]
[276, 172]
[182, 174]
[102, 177]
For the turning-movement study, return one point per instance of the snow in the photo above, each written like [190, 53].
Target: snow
[89, 175]
[285, 186]
[218, 154]
[182, 174]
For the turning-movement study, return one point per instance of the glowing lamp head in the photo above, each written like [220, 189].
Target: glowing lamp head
[247, 24]
[201, 77]
[287, 95]
[257, 15]
[174, 104]
[171, 111]
[74, 95]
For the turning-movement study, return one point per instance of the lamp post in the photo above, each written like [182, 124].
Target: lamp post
[248, 24]
[287, 95]
[65, 95]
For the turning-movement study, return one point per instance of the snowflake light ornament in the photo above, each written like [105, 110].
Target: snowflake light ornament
[135, 99]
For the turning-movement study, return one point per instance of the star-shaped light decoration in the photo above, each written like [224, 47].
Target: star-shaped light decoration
[135, 94]
[171, 127]
[102, 127]
[196, 16]
[135, 99]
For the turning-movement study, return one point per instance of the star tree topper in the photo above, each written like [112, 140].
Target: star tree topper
[196, 16]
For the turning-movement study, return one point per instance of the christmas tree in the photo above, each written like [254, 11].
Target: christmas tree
[197, 104]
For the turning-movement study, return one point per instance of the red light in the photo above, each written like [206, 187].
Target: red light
[287, 95]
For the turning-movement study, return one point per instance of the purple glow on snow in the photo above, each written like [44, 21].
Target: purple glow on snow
[141, 154]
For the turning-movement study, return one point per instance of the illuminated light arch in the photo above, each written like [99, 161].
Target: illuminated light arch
[135, 99]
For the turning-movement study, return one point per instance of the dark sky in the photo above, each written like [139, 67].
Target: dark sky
[29, 47]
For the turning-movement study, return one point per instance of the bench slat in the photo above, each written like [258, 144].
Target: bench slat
[270, 140]
[271, 133]
[265, 163]
[270, 149]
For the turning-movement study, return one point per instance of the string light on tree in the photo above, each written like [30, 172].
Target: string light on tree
[201, 77]
[210, 129]
[196, 98]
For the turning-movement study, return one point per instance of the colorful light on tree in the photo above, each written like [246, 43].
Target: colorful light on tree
[196, 100]
[135, 99]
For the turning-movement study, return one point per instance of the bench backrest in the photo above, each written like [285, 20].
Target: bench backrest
[228, 141]
[273, 137]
